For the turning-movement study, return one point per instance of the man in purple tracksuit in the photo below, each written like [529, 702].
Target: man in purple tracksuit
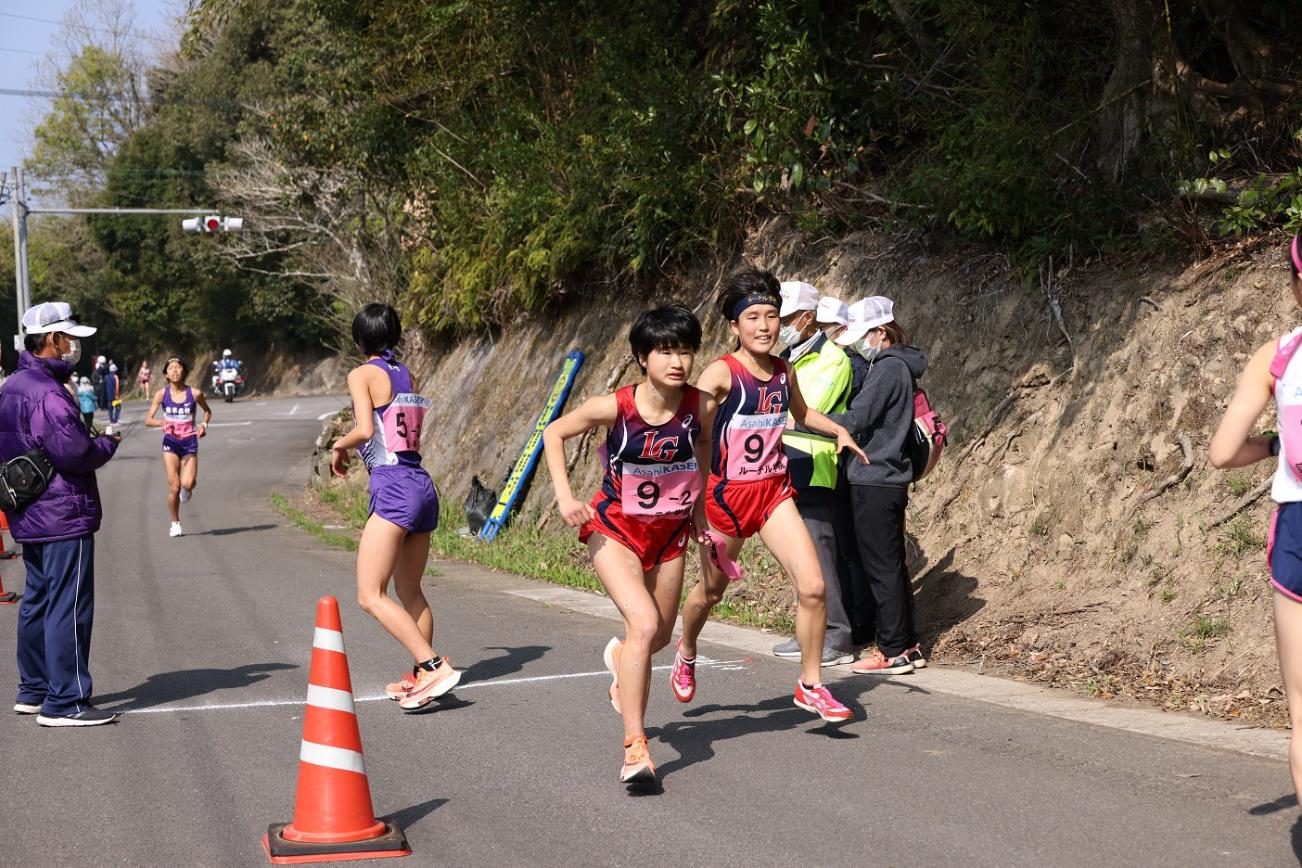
[57, 529]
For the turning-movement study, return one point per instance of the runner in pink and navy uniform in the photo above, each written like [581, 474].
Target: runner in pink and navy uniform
[180, 435]
[639, 523]
[1275, 371]
[404, 505]
[749, 488]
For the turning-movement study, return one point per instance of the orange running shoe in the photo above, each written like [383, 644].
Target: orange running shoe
[430, 686]
[638, 768]
[611, 656]
[398, 689]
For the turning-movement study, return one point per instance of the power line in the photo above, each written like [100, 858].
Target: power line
[152, 100]
[77, 25]
[22, 51]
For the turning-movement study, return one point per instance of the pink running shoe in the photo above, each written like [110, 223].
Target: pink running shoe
[398, 689]
[430, 686]
[819, 700]
[611, 656]
[683, 678]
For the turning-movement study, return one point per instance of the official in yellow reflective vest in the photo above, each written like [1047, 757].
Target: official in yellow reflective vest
[823, 373]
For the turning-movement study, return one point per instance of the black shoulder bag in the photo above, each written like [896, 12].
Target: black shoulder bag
[23, 479]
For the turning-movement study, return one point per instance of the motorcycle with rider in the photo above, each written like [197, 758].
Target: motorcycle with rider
[227, 377]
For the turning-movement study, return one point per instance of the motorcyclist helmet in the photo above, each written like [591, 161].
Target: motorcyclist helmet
[226, 354]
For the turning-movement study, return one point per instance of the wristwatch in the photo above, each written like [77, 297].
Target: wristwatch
[1274, 446]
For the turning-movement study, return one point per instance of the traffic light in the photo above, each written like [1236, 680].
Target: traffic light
[213, 223]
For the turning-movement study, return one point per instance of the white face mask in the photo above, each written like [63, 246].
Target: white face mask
[73, 355]
[789, 335]
[865, 348]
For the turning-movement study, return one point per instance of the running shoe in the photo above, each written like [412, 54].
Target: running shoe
[431, 685]
[683, 678]
[88, 716]
[611, 656]
[638, 768]
[185, 495]
[27, 708]
[833, 657]
[819, 700]
[400, 688]
[175, 529]
[789, 649]
[877, 663]
[915, 657]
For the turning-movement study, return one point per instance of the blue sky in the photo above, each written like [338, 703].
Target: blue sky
[23, 43]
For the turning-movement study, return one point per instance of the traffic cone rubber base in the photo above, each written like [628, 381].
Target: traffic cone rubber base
[282, 851]
[8, 599]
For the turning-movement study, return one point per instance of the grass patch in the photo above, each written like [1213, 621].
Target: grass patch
[1241, 538]
[1237, 485]
[300, 520]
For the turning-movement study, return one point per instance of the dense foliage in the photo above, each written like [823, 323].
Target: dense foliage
[472, 159]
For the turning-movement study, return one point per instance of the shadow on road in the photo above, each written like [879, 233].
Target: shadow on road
[227, 531]
[495, 667]
[1286, 801]
[408, 817]
[1297, 840]
[695, 739]
[168, 687]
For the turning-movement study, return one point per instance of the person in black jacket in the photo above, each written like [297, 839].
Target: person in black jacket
[880, 418]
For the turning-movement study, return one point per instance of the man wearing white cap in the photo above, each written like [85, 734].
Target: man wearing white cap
[57, 528]
[832, 316]
[823, 374]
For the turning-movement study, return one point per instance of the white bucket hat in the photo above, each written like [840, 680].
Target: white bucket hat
[54, 316]
[866, 315]
[797, 296]
[832, 311]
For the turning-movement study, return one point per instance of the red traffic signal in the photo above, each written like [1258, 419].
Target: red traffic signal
[213, 223]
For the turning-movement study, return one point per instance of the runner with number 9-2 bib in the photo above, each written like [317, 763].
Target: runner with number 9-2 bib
[749, 489]
[638, 525]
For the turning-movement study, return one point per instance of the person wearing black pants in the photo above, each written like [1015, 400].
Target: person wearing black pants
[880, 418]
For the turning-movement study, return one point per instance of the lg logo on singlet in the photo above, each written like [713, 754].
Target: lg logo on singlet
[770, 401]
[658, 448]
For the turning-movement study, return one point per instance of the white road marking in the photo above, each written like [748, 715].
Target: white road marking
[726, 665]
[227, 424]
[292, 411]
[326, 415]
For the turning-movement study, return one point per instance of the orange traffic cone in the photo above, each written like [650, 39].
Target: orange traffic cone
[4, 528]
[333, 816]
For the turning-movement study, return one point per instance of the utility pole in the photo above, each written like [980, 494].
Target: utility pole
[21, 210]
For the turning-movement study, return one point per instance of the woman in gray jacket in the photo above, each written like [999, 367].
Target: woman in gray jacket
[880, 418]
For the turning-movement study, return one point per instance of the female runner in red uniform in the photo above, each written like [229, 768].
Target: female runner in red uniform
[638, 525]
[749, 489]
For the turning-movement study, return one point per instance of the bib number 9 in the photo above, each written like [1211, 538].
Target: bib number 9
[648, 495]
[753, 448]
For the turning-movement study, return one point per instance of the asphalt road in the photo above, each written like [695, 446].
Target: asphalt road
[203, 642]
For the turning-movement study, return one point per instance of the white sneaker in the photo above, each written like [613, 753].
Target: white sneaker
[185, 495]
[175, 529]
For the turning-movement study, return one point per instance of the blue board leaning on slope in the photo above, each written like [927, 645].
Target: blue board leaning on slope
[524, 465]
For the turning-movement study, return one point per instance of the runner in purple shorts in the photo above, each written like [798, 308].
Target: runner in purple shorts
[404, 506]
[180, 435]
[1275, 372]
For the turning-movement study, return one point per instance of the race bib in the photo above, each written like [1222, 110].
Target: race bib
[755, 447]
[654, 490]
[403, 419]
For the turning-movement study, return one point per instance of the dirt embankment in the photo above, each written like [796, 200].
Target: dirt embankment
[1075, 532]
